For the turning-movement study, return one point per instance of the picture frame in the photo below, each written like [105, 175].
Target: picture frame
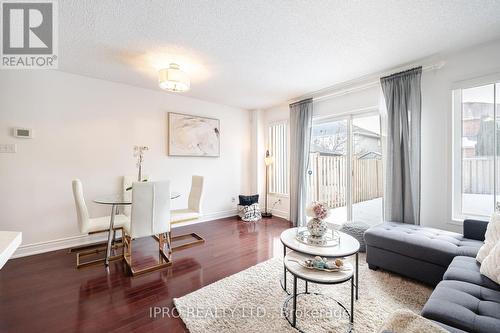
[193, 135]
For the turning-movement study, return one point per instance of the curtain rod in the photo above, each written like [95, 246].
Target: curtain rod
[402, 73]
[301, 101]
[370, 82]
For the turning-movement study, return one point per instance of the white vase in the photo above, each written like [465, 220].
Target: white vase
[317, 227]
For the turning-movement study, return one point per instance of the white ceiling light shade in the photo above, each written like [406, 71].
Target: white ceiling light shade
[173, 79]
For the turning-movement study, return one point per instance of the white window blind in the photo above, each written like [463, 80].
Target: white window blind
[278, 147]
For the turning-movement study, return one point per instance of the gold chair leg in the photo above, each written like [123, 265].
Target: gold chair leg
[169, 240]
[165, 241]
[127, 254]
[164, 259]
[95, 262]
[198, 240]
[94, 249]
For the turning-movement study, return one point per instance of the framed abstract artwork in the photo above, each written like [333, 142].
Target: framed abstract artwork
[190, 135]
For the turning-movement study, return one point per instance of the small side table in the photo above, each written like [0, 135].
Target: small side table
[347, 246]
[314, 276]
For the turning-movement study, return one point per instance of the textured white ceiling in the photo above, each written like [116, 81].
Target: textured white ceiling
[254, 54]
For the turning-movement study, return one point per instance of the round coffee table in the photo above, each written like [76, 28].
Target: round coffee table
[346, 247]
[292, 260]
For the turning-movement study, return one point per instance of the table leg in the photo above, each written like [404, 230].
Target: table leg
[294, 310]
[113, 242]
[352, 300]
[357, 274]
[110, 235]
[284, 267]
[307, 287]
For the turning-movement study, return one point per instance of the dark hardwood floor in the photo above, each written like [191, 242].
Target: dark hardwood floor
[46, 293]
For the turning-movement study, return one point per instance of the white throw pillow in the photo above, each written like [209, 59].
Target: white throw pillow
[490, 266]
[491, 237]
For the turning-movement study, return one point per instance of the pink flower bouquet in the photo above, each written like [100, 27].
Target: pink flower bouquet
[318, 210]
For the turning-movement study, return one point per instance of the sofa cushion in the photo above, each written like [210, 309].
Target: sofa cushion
[467, 269]
[426, 244]
[178, 215]
[465, 306]
[475, 229]
[247, 200]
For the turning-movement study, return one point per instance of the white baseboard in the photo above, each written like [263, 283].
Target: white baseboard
[80, 240]
[208, 217]
[281, 213]
[57, 244]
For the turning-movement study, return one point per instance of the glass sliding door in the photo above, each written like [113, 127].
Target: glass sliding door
[345, 168]
[328, 166]
[367, 173]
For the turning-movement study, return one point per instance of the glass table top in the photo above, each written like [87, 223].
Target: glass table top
[120, 199]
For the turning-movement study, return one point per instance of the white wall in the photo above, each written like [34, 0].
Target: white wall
[436, 161]
[357, 101]
[86, 128]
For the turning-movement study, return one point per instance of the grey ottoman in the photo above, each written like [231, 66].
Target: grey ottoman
[414, 251]
[356, 230]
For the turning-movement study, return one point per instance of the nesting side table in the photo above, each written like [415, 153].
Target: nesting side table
[292, 265]
[347, 246]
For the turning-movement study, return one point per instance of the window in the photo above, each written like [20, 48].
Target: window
[476, 153]
[278, 147]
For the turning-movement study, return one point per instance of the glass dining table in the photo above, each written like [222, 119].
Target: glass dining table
[116, 200]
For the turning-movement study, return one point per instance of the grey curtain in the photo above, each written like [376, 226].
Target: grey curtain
[300, 137]
[403, 100]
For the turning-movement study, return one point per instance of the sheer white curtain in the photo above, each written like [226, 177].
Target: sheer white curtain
[300, 136]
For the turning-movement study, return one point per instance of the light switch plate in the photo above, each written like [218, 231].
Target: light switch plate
[8, 148]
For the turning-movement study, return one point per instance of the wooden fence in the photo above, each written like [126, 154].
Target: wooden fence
[478, 176]
[328, 182]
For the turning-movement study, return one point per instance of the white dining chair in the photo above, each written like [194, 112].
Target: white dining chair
[150, 216]
[127, 182]
[193, 211]
[90, 226]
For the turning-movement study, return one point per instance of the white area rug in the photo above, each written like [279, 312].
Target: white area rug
[405, 321]
[251, 301]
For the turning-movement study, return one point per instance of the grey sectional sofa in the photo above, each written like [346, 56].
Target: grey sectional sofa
[463, 300]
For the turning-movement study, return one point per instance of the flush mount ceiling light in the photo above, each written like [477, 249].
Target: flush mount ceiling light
[173, 79]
